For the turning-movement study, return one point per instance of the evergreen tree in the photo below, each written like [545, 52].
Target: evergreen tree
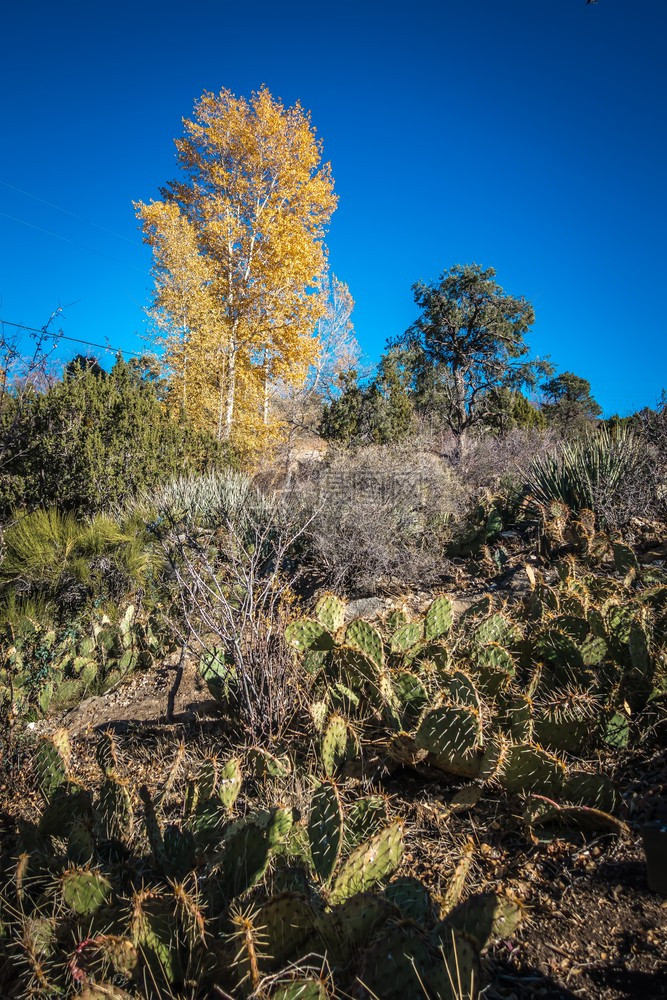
[92, 440]
[507, 410]
[379, 413]
[570, 405]
[467, 343]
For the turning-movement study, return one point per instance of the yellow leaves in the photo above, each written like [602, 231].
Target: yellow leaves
[238, 254]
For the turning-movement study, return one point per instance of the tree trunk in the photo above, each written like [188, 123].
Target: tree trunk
[266, 392]
[228, 416]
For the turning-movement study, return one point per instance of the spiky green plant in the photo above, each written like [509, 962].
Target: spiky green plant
[580, 472]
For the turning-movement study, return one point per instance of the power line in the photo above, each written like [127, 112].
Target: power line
[59, 208]
[65, 239]
[76, 340]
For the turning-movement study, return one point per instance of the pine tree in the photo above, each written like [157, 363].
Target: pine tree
[93, 439]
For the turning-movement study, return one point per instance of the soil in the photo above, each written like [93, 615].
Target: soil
[591, 927]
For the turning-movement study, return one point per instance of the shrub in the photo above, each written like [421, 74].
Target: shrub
[234, 591]
[489, 461]
[62, 559]
[93, 440]
[378, 513]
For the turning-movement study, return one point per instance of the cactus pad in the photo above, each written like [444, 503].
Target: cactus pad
[263, 765]
[483, 917]
[373, 861]
[325, 829]
[528, 768]
[363, 636]
[450, 731]
[230, 780]
[438, 619]
[406, 636]
[330, 612]
[84, 891]
[307, 634]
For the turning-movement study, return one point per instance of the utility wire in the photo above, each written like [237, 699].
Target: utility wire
[76, 340]
[59, 208]
[65, 239]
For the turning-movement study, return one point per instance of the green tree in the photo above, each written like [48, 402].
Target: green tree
[392, 408]
[508, 409]
[570, 405]
[379, 413]
[83, 363]
[341, 418]
[467, 343]
[93, 440]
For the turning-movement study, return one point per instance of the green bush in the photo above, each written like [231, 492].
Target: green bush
[94, 439]
[67, 561]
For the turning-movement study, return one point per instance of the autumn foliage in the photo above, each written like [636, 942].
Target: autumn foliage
[238, 261]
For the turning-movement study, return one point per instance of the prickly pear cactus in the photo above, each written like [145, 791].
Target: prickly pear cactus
[451, 732]
[365, 818]
[308, 635]
[374, 860]
[51, 762]
[286, 920]
[325, 829]
[482, 917]
[406, 637]
[263, 765]
[219, 674]
[586, 789]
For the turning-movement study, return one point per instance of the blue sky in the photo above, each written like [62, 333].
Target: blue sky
[528, 135]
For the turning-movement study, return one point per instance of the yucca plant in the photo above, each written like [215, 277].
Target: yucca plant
[203, 499]
[583, 472]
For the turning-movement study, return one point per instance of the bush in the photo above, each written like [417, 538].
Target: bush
[486, 461]
[60, 559]
[93, 440]
[378, 513]
[607, 471]
[234, 575]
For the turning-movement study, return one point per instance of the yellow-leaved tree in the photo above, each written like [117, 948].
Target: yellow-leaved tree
[238, 256]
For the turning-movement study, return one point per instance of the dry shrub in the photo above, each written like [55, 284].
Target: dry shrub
[378, 515]
[235, 596]
[484, 461]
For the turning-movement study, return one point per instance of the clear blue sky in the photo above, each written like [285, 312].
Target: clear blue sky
[524, 134]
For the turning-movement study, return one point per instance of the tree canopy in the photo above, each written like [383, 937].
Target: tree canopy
[468, 344]
[238, 251]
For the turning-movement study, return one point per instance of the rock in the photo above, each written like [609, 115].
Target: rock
[366, 607]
